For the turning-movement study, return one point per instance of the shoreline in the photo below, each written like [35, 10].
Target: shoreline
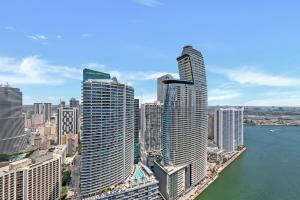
[204, 184]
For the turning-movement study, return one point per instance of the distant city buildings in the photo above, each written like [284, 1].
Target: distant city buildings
[211, 126]
[44, 109]
[74, 103]
[37, 177]
[151, 131]
[229, 128]
[136, 130]
[161, 87]
[185, 125]
[12, 122]
[107, 159]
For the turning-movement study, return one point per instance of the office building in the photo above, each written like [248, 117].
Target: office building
[151, 131]
[37, 177]
[185, 127]
[229, 128]
[108, 132]
[67, 121]
[136, 130]
[43, 108]
[74, 103]
[211, 126]
[12, 135]
[161, 87]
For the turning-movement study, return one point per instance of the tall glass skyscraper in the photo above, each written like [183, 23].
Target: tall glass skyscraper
[108, 132]
[185, 125]
[12, 134]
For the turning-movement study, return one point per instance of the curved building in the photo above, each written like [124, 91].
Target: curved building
[108, 133]
[185, 125]
[12, 134]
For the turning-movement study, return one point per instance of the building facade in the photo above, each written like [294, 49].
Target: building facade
[12, 135]
[67, 122]
[74, 103]
[161, 88]
[43, 108]
[151, 126]
[32, 178]
[185, 122]
[136, 130]
[108, 132]
[229, 128]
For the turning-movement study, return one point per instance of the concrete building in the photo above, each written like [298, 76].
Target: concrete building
[161, 88]
[35, 178]
[67, 121]
[185, 127]
[151, 131]
[211, 126]
[108, 132]
[136, 130]
[229, 128]
[140, 185]
[74, 103]
[43, 108]
[12, 135]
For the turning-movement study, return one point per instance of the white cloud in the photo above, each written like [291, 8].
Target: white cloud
[146, 98]
[10, 28]
[34, 70]
[58, 36]
[277, 98]
[220, 94]
[149, 3]
[252, 76]
[37, 37]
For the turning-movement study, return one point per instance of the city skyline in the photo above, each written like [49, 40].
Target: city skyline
[244, 67]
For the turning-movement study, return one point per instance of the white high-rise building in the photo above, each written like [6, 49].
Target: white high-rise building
[108, 132]
[185, 127]
[37, 177]
[229, 128]
[107, 158]
[67, 121]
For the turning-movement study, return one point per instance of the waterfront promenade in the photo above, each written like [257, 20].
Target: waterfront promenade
[207, 181]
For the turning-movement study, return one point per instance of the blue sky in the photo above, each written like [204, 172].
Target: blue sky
[251, 48]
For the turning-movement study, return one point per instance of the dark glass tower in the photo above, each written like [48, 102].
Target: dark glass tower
[12, 134]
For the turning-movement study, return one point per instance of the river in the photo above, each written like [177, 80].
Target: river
[268, 170]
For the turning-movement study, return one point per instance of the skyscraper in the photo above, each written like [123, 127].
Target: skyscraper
[43, 108]
[151, 132]
[136, 130]
[229, 128]
[151, 126]
[74, 103]
[185, 126]
[67, 121]
[12, 134]
[161, 87]
[108, 132]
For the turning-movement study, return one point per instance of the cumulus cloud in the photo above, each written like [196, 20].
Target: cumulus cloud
[34, 70]
[252, 76]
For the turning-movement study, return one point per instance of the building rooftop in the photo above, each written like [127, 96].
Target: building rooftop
[140, 176]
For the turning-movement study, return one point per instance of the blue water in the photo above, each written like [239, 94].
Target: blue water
[268, 170]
